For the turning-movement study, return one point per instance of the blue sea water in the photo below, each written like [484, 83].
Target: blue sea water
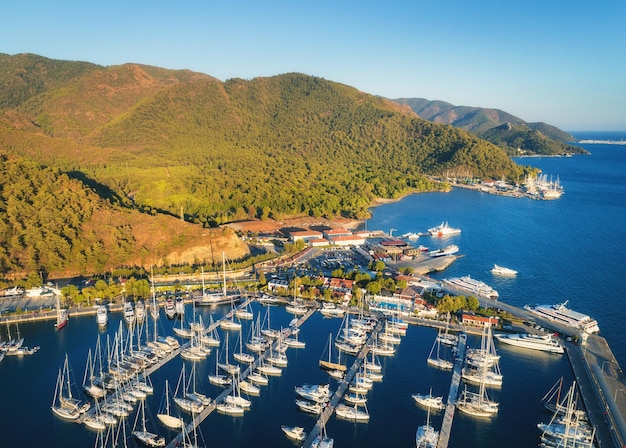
[568, 249]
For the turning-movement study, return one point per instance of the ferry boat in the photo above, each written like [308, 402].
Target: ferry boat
[449, 250]
[545, 343]
[443, 229]
[467, 284]
[501, 270]
[563, 315]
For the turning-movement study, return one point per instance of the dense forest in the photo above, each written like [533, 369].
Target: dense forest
[161, 142]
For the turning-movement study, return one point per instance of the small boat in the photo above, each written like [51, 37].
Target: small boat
[309, 406]
[170, 308]
[146, 437]
[429, 401]
[140, 310]
[129, 313]
[62, 316]
[179, 305]
[102, 316]
[165, 416]
[249, 388]
[501, 270]
[294, 432]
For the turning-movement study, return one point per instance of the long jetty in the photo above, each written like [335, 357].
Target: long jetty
[208, 410]
[343, 386]
[446, 426]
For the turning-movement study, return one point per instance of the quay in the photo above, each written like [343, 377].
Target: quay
[343, 386]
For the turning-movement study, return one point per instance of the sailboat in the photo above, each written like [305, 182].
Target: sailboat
[429, 401]
[154, 305]
[256, 343]
[294, 342]
[62, 315]
[184, 399]
[89, 385]
[426, 435]
[245, 312]
[64, 404]
[241, 356]
[216, 297]
[226, 365]
[267, 329]
[219, 379]
[486, 366]
[352, 412]
[144, 436]
[434, 358]
[330, 363]
[236, 397]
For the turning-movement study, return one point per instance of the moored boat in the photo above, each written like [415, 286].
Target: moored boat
[545, 343]
[443, 229]
[294, 432]
[561, 314]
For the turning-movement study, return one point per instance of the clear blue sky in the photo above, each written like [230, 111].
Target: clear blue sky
[558, 61]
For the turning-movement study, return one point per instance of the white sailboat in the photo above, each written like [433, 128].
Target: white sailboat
[241, 356]
[353, 412]
[426, 435]
[64, 404]
[429, 401]
[435, 359]
[144, 436]
[165, 415]
[226, 366]
[218, 379]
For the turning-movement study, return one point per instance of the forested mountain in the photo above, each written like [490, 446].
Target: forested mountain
[497, 127]
[154, 141]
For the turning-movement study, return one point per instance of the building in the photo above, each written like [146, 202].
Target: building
[347, 240]
[472, 320]
[304, 235]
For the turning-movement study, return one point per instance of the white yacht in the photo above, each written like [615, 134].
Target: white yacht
[354, 413]
[546, 343]
[501, 270]
[294, 432]
[466, 284]
[102, 316]
[565, 316]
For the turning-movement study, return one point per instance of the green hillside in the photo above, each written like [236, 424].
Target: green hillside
[520, 139]
[151, 142]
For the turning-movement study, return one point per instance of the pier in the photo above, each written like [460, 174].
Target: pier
[343, 386]
[446, 425]
[208, 410]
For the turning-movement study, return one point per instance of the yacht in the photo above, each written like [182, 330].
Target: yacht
[448, 250]
[546, 343]
[102, 316]
[294, 432]
[501, 270]
[443, 229]
[309, 406]
[318, 393]
[129, 313]
[352, 413]
[466, 284]
[561, 314]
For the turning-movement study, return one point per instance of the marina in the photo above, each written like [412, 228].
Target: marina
[592, 364]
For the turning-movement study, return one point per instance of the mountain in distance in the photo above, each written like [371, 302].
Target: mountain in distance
[153, 143]
[517, 138]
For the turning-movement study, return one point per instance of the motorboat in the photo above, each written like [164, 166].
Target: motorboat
[102, 316]
[546, 342]
[294, 432]
[501, 270]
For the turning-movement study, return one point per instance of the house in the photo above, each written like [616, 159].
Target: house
[472, 320]
[274, 284]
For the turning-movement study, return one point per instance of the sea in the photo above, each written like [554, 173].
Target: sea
[570, 249]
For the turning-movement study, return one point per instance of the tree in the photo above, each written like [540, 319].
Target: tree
[472, 303]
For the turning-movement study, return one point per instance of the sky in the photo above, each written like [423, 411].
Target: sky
[562, 62]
